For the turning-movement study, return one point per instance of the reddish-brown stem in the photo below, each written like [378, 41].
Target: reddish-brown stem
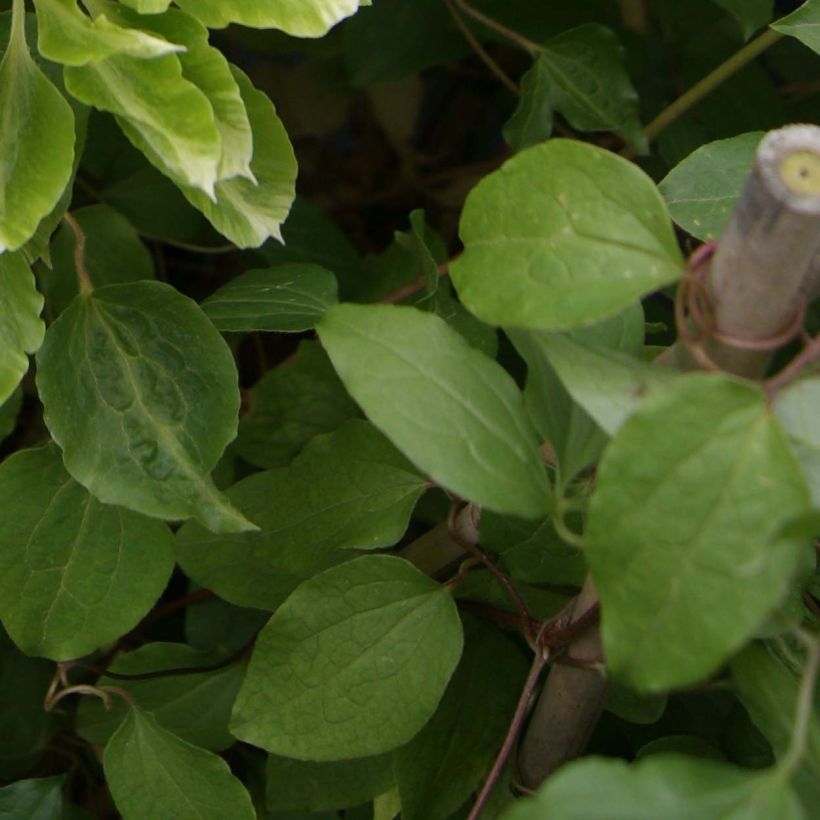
[809, 355]
[497, 572]
[411, 288]
[539, 662]
[174, 606]
[499, 616]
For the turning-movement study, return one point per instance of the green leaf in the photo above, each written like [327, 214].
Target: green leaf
[113, 255]
[310, 236]
[421, 263]
[9, 411]
[149, 200]
[682, 530]
[40, 799]
[751, 15]
[291, 404]
[766, 678]
[452, 410]
[442, 765]
[589, 84]
[301, 18]
[531, 121]
[214, 624]
[671, 786]
[287, 299]
[609, 385]
[211, 73]
[305, 786]
[36, 140]
[565, 423]
[152, 773]
[796, 409]
[532, 551]
[429, 37]
[701, 191]
[249, 212]
[348, 489]
[633, 707]
[69, 36]
[140, 391]
[804, 24]
[313, 693]
[26, 725]
[482, 586]
[147, 6]
[195, 707]
[563, 234]
[21, 328]
[60, 546]
[165, 115]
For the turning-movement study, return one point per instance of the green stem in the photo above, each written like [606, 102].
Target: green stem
[711, 81]
[804, 708]
[18, 25]
[519, 39]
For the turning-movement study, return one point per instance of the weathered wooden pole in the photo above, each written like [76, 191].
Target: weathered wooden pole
[766, 265]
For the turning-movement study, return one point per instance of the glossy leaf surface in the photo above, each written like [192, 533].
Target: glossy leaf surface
[74, 574]
[291, 404]
[21, 328]
[313, 694]
[682, 530]
[445, 762]
[670, 786]
[302, 18]
[207, 68]
[701, 190]
[35, 799]
[349, 489]
[608, 384]
[767, 679]
[36, 141]
[164, 114]
[589, 84]
[562, 235]
[290, 298]
[248, 212]
[452, 410]
[142, 415]
[152, 773]
[804, 24]
[306, 786]
[796, 408]
[195, 707]
[69, 36]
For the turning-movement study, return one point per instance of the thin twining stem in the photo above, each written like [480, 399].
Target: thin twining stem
[519, 39]
[709, 83]
[804, 706]
[482, 52]
[521, 709]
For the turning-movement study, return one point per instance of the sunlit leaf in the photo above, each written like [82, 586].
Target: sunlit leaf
[562, 235]
[36, 140]
[142, 413]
